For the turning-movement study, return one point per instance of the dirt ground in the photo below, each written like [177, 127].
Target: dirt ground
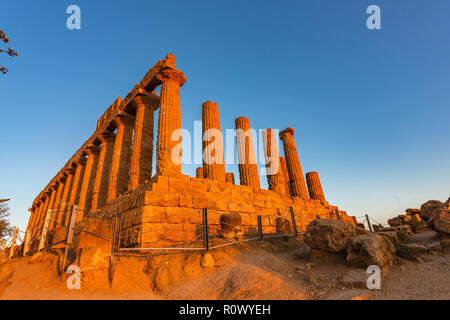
[274, 269]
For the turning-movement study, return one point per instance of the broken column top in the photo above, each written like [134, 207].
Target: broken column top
[286, 131]
[170, 60]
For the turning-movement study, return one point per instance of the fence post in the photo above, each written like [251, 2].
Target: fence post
[13, 243]
[337, 214]
[205, 229]
[48, 216]
[294, 225]
[368, 223]
[69, 235]
[354, 220]
[113, 242]
[260, 231]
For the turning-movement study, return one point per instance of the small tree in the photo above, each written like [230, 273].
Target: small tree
[5, 228]
[10, 51]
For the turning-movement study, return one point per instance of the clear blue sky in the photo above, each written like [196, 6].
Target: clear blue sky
[371, 109]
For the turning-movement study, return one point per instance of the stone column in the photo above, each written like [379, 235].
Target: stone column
[284, 170]
[142, 158]
[248, 170]
[229, 177]
[54, 190]
[55, 205]
[297, 181]
[120, 166]
[63, 207]
[314, 186]
[169, 118]
[76, 185]
[88, 181]
[35, 223]
[42, 215]
[199, 173]
[100, 189]
[275, 176]
[213, 159]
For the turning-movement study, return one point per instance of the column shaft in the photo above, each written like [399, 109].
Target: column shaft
[169, 120]
[229, 177]
[63, 207]
[142, 158]
[56, 203]
[76, 185]
[296, 178]
[120, 166]
[199, 173]
[275, 176]
[100, 189]
[314, 186]
[248, 170]
[285, 174]
[88, 181]
[213, 159]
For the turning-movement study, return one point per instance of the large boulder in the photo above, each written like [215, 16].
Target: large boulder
[370, 249]
[441, 221]
[399, 220]
[447, 203]
[328, 234]
[429, 208]
[93, 258]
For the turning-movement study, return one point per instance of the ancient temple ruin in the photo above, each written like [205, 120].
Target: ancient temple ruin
[111, 175]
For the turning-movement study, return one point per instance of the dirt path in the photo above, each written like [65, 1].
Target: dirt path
[39, 282]
[257, 272]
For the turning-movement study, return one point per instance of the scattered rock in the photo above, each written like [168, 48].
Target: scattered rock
[412, 211]
[400, 220]
[391, 235]
[207, 261]
[417, 248]
[370, 249]
[423, 237]
[441, 221]
[428, 209]
[360, 231]
[328, 234]
[445, 243]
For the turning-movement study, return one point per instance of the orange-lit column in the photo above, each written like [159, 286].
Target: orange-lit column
[87, 184]
[63, 209]
[120, 167]
[199, 173]
[229, 177]
[80, 165]
[100, 189]
[284, 170]
[213, 159]
[142, 158]
[275, 176]
[169, 119]
[248, 170]
[298, 186]
[314, 186]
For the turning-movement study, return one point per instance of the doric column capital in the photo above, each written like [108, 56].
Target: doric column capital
[107, 136]
[70, 170]
[287, 132]
[124, 119]
[172, 75]
[150, 100]
[80, 161]
[92, 149]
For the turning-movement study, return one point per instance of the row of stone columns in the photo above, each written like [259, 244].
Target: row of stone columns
[120, 161]
[284, 175]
